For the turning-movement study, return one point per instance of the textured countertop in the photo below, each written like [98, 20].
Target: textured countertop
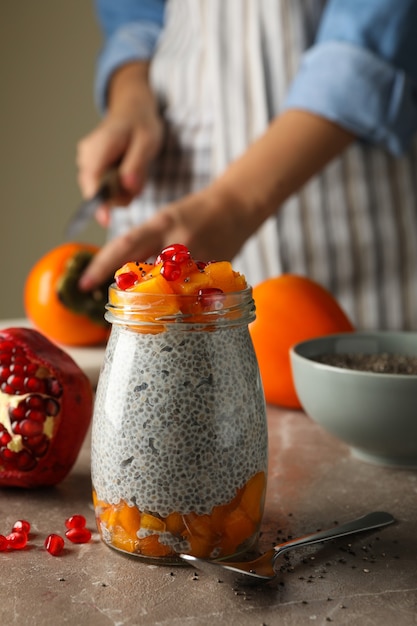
[313, 483]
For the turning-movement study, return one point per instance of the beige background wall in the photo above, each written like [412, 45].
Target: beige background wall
[47, 55]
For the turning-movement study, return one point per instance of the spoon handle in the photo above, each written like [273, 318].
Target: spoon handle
[367, 522]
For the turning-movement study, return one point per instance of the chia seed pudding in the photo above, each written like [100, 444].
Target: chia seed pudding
[179, 434]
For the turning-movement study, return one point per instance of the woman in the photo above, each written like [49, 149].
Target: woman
[270, 132]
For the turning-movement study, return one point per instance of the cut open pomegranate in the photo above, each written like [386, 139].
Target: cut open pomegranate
[45, 409]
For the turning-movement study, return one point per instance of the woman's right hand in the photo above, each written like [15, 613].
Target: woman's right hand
[130, 134]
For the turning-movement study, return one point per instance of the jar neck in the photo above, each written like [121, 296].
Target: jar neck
[184, 312]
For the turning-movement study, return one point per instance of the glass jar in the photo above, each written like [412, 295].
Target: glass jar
[179, 439]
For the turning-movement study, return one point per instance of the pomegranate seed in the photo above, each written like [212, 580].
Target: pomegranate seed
[201, 265]
[126, 280]
[35, 416]
[34, 401]
[38, 445]
[78, 535]
[209, 295]
[29, 428]
[17, 540]
[4, 373]
[170, 270]
[25, 461]
[7, 455]
[54, 544]
[4, 544]
[54, 387]
[21, 525]
[5, 438]
[33, 384]
[17, 369]
[16, 382]
[31, 369]
[51, 407]
[76, 521]
[17, 412]
[168, 253]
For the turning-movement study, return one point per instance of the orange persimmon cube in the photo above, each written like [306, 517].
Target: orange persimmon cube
[152, 523]
[174, 523]
[223, 276]
[253, 497]
[130, 519]
[150, 546]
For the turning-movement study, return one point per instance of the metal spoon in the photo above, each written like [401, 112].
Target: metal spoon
[262, 568]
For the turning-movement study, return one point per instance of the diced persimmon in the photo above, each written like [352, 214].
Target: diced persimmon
[238, 527]
[198, 524]
[253, 497]
[123, 541]
[223, 276]
[150, 546]
[174, 523]
[151, 522]
[130, 518]
[109, 514]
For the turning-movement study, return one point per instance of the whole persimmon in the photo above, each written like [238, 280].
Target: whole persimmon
[289, 309]
[56, 306]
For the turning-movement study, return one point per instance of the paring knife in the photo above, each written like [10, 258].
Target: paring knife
[109, 188]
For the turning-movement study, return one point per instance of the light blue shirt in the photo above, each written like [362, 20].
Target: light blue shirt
[360, 73]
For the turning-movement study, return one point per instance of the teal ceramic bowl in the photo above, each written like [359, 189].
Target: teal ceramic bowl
[375, 414]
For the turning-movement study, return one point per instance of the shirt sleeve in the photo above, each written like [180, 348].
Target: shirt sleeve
[361, 73]
[131, 29]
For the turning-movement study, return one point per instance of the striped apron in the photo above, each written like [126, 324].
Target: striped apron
[221, 72]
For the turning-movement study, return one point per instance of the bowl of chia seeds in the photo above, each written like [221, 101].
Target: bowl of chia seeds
[362, 388]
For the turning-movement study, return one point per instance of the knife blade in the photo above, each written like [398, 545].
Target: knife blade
[109, 188]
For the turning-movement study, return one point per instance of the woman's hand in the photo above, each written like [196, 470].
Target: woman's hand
[129, 135]
[209, 223]
[216, 222]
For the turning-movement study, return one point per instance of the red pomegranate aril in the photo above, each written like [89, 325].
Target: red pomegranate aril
[30, 428]
[34, 401]
[208, 295]
[16, 382]
[54, 544]
[51, 407]
[78, 535]
[5, 438]
[75, 521]
[200, 265]
[7, 455]
[54, 387]
[17, 369]
[17, 540]
[170, 270]
[4, 544]
[34, 385]
[16, 428]
[126, 280]
[21, 525]
[17, 412]
[168, 253]
[181, 256]
[35, 415]
[25, 461]
[38, 445]
[4, 373]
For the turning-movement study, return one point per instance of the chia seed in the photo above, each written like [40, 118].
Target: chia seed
[383, 363]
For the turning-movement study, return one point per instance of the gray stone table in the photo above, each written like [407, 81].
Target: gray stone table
[313, 483]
